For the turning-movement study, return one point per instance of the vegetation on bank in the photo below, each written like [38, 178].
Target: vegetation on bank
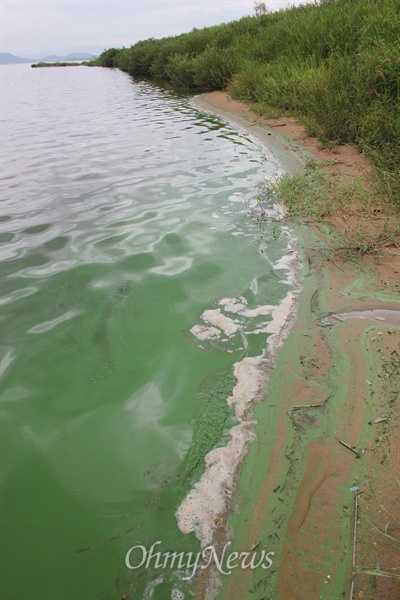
[58, 64]
[336, 65]
[317, 195]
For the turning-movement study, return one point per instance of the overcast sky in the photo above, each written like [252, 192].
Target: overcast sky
[31, 28]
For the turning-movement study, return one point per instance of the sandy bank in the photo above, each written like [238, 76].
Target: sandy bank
[287, 138]
[334, 382]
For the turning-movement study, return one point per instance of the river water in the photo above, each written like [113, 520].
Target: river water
[125, 219]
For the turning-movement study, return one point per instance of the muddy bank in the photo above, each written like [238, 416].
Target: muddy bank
[326, 434]
[287, 138]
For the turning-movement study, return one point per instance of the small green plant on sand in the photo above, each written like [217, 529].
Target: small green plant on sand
[364, 243]
[315, 195]
[312, 194]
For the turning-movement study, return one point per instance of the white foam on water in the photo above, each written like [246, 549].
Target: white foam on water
[201, 332]
[239, 306]
[254, 286]
[203, 506]
[233, 305]
[215, 317]
[201, 510]
[149, 591]
[286, 263]
[280, 314]
[263, 310]
[236, 197]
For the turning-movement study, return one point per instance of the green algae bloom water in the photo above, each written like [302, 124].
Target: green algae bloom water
[134, 282]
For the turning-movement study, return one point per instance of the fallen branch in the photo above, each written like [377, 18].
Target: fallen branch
[114, 537]
[356, 452]
[337, 318]
[299, 406]
[338, 266]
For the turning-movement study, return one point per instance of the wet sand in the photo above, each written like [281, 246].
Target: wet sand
[332, 389]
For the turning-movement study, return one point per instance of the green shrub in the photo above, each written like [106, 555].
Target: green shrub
[106, 58]
[180, 71]
[213, 68]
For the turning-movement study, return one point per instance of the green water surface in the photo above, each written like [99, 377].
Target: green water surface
[124, 217]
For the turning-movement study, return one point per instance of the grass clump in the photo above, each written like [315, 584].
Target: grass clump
[58, 64]
[365, 242]
[313, 194]
[316, 195]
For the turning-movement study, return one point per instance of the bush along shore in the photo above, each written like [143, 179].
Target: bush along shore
[58, 64]
[335, 65]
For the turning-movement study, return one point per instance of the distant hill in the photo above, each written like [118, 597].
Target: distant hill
[11, 59]
[72, 56]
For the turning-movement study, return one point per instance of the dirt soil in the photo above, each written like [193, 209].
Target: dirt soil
[322, 481]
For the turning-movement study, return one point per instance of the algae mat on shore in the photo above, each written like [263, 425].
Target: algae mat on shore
[325, 430]
[297, 489]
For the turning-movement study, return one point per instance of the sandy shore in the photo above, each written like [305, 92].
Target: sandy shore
[302, 488]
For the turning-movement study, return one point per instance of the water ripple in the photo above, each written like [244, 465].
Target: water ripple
[124, 220]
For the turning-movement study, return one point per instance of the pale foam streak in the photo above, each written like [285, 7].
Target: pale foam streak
[208, 501]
